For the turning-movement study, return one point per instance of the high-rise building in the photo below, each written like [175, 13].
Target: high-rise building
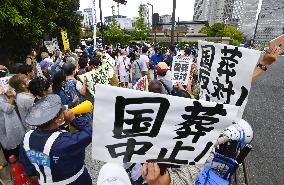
[87, 18]
[146, 14]
[213, 10]
[270, 21]
[166, 19]
[123, 21]
[201, 10]
[245, 12]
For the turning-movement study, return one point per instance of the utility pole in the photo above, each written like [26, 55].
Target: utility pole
[117, 10]
[102, 25]
[173, 23]
[94, 22]
[153, 26]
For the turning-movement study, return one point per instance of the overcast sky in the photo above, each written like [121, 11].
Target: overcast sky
[184, 8]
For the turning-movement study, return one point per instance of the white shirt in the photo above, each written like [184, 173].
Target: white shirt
[143, 62]
[123, 63]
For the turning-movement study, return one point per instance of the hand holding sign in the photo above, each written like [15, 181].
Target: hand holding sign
[270, 56]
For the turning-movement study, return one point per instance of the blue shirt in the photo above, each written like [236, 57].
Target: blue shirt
[70, 92]
[157, 58]
[67, 153]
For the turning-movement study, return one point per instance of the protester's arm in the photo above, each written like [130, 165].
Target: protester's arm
[83, 87]
[80, 139]
[6, 107]
[269, 58]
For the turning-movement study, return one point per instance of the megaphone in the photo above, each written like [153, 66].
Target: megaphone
[84, 107]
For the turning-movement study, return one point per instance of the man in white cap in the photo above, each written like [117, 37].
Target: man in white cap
[113, 174]
[56, 157]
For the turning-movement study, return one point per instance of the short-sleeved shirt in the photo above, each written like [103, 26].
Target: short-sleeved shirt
[71, 90]
[157, 58]
[143, 62]
[123, 65]
[136, 70]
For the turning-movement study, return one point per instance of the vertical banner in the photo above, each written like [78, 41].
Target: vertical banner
[49, 46]
[181, 68]
[225, 72]
[136, 126]
[65, 40]
[55, 43]
[94, 23]
[98, 76]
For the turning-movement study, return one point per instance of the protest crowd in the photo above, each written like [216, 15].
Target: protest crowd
[42, 128]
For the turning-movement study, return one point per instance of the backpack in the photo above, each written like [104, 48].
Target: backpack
[209, 177]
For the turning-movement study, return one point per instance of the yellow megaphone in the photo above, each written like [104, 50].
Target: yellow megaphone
[84, 107]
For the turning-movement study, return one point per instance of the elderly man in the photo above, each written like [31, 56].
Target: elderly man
[56, 157]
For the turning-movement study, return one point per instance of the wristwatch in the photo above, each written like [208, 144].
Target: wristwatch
[263, 67]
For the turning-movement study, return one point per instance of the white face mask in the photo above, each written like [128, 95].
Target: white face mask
[62, 123]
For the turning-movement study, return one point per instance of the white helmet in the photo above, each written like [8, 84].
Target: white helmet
[241, 131]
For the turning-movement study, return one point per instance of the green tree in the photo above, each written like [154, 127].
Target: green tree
[115, 34]
[24, 24]
[221, 30]
[141, 29]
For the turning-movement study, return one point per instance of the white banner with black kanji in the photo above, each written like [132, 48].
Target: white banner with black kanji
[181, 68]
[225, 72]
[136, 126]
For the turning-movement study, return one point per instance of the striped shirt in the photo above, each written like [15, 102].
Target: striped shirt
[186, 175]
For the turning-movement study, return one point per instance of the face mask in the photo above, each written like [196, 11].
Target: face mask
[62, 123]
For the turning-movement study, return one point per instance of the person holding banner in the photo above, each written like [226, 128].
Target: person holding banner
[56, 157]
[269, 58]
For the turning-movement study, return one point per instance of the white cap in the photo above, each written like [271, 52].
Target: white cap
[113, 174]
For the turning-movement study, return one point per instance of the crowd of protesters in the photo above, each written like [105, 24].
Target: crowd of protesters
[35, 110]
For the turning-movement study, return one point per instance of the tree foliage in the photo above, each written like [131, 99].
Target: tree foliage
[220, 30]
[25, 23]
[141, 29]
[115, 34]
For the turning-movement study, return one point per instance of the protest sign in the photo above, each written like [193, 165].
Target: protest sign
[110, 59]
[98, 76]
[181, 69]
[225, 72]
[4, 82]
[49, 46]
[138, 126]
[142, 84]
[55, 44]
[65, 40]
